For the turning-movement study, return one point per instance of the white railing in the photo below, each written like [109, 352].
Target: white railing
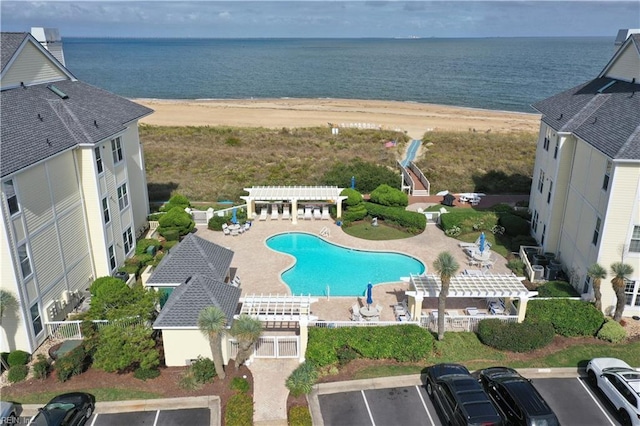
[339, 324]
[277, 347]
[527, 264]
[423, 180]
[71, 330]
[462, 322]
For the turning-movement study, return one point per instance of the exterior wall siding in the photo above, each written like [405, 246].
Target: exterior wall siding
[182, 345]
[31, 67]
[74, 243]
[137, 179]
[63, 181]
[627, 66]
[46, 258]
[36, 205]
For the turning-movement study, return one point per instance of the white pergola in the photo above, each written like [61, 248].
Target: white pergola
[502, 286]
[293, 194]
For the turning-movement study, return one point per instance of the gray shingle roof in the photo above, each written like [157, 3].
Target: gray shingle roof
[196, 293]
[192, 256]
[37, 123]
[608, 118]
[10, 42]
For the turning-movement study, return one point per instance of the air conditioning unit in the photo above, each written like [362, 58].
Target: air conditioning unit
[51, 310]
[66, 296]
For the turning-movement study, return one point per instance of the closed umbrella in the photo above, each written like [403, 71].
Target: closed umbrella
[369, 294]
[234, 218]
[353, 182]
[482, 242]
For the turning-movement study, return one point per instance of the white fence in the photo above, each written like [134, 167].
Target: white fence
[462, 323]
[71, 330]
[270, 347]
[423, 179]
[339, 324]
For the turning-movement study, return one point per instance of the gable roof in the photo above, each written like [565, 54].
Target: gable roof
[10, 43]
[196, 293]
[603, 112]
[192, 256]
[634, 40]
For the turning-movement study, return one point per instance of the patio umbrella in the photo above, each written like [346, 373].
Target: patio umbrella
[234, 218]
[369, 294]
[443, 193]
[353, 182]
[482, 242]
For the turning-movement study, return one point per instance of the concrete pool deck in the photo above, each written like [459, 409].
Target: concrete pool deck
[259, 267]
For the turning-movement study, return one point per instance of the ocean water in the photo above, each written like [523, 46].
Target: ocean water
[493, 73]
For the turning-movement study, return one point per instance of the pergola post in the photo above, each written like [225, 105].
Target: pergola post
[250, 202]
[294, 211]
[415, 306]
[338, 207]
[522, 308]
[304, 338]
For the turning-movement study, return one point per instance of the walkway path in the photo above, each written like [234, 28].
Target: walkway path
[411, 152]
[269, 390]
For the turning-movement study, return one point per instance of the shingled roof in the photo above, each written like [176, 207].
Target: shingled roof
[603, 112]
[10, 43]
[192, 256]
[196, 293]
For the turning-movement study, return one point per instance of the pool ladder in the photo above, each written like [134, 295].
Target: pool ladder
[324, 232]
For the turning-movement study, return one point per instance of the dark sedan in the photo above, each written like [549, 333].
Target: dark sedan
[459, 396]
[517, 399]
[69, 409]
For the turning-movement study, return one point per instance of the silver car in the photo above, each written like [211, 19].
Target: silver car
[8, 413]
[620, 384]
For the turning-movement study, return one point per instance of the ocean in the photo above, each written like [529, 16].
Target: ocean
[493, 73]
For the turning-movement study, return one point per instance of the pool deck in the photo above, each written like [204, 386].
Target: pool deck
[259, 267]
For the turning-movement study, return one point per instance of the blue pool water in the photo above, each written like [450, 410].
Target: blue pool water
[345, 271]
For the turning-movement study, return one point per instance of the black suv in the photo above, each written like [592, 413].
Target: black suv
[516, 398]
[460, 397]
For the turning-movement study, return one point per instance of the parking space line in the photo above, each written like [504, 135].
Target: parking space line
[155, 421]
[424, 404]
[95, 417]
[366, 404]
[596, 401]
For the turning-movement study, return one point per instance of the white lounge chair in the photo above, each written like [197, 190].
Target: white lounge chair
[300, 213]
[225, 229]
[325, 213]
[274, 212]
[317, 214]
[263, 214]
[355, 312]
[236, 281]
[285, 212]
[308, 212]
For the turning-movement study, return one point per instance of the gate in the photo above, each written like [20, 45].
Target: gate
[271, 347]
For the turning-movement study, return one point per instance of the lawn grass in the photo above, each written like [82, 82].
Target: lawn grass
[101, 394]
[365, 231]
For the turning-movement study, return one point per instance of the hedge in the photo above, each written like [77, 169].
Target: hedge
[513, 225]
[388, 196]
[353, 197]
[18, 357]
[513, 336]
[299, 416]
[569, 317]
[402, 343]
[239, 410]
[177, 219]
[557, 289]
[469, 220]
[612, 331]
[17, 373]
[413, 221]
[143, 244]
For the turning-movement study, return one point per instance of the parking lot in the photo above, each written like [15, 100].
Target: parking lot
[188, 417]
[572, 399]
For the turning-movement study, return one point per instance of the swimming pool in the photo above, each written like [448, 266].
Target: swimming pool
[344, 271]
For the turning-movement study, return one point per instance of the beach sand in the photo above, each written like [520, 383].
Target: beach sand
[413, 118]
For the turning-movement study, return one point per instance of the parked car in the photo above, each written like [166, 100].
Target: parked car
[69, 409]
[460, 397]
[620, 384]
[515, 397]
[8, 413]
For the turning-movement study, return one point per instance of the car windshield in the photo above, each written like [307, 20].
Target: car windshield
[480, 410]
[52, 414]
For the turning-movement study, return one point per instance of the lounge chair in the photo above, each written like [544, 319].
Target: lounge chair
[225, 229]
[300, 213]
[355, 313]
[247, 226]
[308, 211]
[236, 281]
[325, 213]
[285, 212]
[317, 214]
[263, 214]
[274, 212]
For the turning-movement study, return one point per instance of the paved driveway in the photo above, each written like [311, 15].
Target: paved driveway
[193, 416]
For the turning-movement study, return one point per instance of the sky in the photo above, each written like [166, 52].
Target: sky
[306, 18]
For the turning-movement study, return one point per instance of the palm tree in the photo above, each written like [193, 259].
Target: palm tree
[247, 330]
[212, 322]
[597, 274]
[8, 304]
[447, 266]
[620, 270]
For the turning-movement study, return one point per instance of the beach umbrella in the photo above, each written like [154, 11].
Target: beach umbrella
[234, 218]
[482, 242]
[353, 182]
[369, 294]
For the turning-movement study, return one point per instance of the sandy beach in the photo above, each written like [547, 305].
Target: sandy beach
[413, 118]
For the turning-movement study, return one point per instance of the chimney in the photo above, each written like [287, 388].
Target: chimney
[50, 39]
[623, 35]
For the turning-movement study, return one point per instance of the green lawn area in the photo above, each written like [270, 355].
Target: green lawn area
[101, 394]
[365, 231]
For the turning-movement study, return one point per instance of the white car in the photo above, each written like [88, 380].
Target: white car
[621, 385]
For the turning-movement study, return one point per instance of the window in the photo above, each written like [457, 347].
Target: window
[36, 321]
[112, 258]
[534, 221]
[12, 198]
[541, 181]
[98, 159]
[545, 144]
[549, 193]
[123, 198]
[544, 231]
[632, 292]
[555, 150]
[596, 232]
[607, 175]
[105, 210]
[127, 236]
[634, 244]
[25, 262]
[116, 149]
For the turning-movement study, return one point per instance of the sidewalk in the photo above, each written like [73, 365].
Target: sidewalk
[269, 391]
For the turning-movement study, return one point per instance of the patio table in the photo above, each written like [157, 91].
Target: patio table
[368, 312]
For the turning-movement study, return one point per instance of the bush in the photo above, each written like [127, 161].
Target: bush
[240, 384]
[522, 240]
[299, 416]
[239, 410]
[18, 357]
[203, 370]
[517, 266]
[557, 289]
[502, 208]
[413, 222]
[354, 213]
[104, 281]
[216, 222]
[469, 220]
[146, 373]
[514, 225]
[188, 382]
[612, 331]
[177, 200]
[170, 234]
[41, 367]
[302, 379]
[176, 219]
[388, 196]
[346, 354]
[353, 197]
[569, 317]
[513, 336]
[124, 348]
[143, 244]
[368, 176]
[72, 363]
[17, 373]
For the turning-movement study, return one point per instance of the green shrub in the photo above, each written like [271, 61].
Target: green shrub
[513, 336]
[354, 213]
[143, 244]
[168, 245]
[216, 222]
[239, 410]
[41, 367]
[203, 370]
[502, 208]
[124, 348]
[299, 416]
[177, 200]
[240, 384]
[612, 331]
[517, 266]
[569, 317]
[469, 220]
[514, 225]
[170, 234]
[146, 373]
[104, 281]
[353, 197]
[188, 382]
[18, 357]
[302, 379]
[388, 196]
[177, 219]
[17, 373]
[414, 222]
[557, 289]
[522, 240]
[72, 363]
[154, 217]
[368, 176]
[346, 354]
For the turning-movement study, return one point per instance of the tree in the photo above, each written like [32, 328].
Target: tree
[124, 348]
[620, 270]
[247, 330]
[8, 305]
[176, 219]
[212, 322]
[447, 266]
[597, 273]
[113, 299]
